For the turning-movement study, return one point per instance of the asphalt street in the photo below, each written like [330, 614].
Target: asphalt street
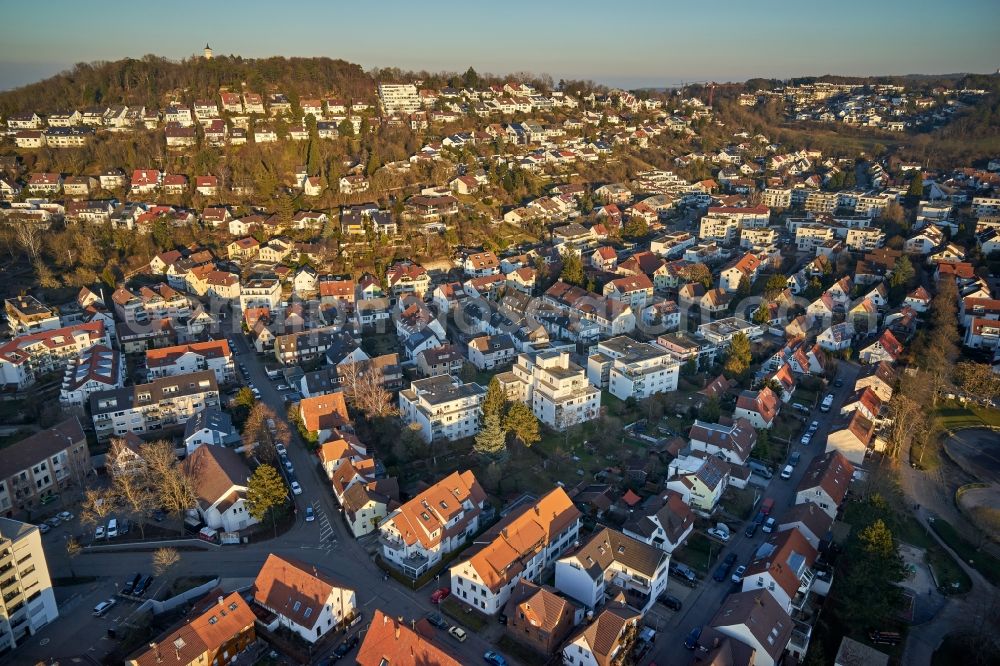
[702, 603]
[324, 542]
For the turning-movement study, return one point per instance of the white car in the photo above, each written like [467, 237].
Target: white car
[718, 534]
[100, 532]
[458, 634]
[280, 448]
[296, 488]
[65, 516]
[738, 574]
[806, 438]
[103, 607]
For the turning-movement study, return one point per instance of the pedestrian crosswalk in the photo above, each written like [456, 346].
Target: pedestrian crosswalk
[327, 538]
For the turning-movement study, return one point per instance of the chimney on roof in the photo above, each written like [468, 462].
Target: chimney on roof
[221, 599]
[156, 651]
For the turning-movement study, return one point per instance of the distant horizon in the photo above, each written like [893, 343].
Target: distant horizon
[30, 73]
[635, 43]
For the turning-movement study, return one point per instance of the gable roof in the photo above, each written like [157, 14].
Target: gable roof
[832, 472]
[390, 642]
[785, 555]
[294, 590]
[603, 635]
[324, 412]
[213, 471]
[761, 614]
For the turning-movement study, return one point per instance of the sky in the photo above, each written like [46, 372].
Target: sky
[627, 43]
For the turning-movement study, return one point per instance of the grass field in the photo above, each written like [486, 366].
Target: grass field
[979, 560]
[955, 416]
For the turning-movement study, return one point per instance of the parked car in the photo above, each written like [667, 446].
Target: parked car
[787, 472]
[827, 403]
[718, 533]
[751, 530]
[436, 620]
[806, 438]
[287, 463]
[296, 488]
[345, 647]
[814, 426]
[54, 521]
[691, 642]
[99, 534]
[458, 634]
[159, 515]
[738, 573]
[43, 528]
[794, 459]
[143, 586]
[495, 658]
[103, 607]
[769, 525]
[439, 595]
[282, 387]
[129, 586]
[64, 516]
[671, 602]
[112, 528]
[280, 448]
[310, 516]
[681, 570]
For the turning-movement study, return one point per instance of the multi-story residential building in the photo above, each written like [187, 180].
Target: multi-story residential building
[160, 301]
[219, 629]
[406, 278]
[822, 202]
[521, 546]
[664, 521]
[26, 314]
[721, 229]
[437, 521]
[307, 601]
[783, 566]
[776, 197]
[539, 618]
[398, 98]
[28, 602]
[390, 641]
[556, 388]
[491, 351]
[732, 441]
[260, 291]
[35, 469]
[213, 355]
[810, 236]
[630, 369]
[27, 357]
[864, 240]
[96, 369]
[442, 407]
[635, 290]
[610, 558]
[304, 346]
[985, 207]
[162, 403]
[758, 239]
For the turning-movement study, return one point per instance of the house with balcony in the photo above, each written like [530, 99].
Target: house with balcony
[218, 477]
[610, 563]
[554, 387]
[760, 408]
[635, 290]
[213, 355]
[853, 435]
[34, 470]
[731, 440]
[26, 314]
[99, 368]
[406, 278]
[28, 602]
[699, 480]
[630, 369]
[523, 545]
[540, 619]
[812, 521]
[418, 534]
[260, 291]
[491, 351]
[28, 357]
[161, 404]
[782, 566]
[442, 407]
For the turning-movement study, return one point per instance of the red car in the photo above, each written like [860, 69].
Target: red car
[439, 595]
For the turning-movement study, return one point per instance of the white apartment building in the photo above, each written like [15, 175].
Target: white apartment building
[260, 291]
[775, 197]
[28, 602]
[985, 207]
[721, 229]
[97, 369]
[864, 240]
[610, 558]
[435, 522]
[521, 546]
[150, 304]
[213, 355]
[399, 98]
[27, 357]
[556, 388]
[751, 239]
[630, 369]
[162, 403]
[810, 236]
[443, 407]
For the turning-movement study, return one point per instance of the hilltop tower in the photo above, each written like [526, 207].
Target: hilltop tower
[208, 52]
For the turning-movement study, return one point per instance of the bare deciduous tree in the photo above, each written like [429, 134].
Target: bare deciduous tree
[164, 559]
[30, 238]
[173, 487]
[364, 387]
[97, 505]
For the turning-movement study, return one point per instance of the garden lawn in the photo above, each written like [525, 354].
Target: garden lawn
[980, 560]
